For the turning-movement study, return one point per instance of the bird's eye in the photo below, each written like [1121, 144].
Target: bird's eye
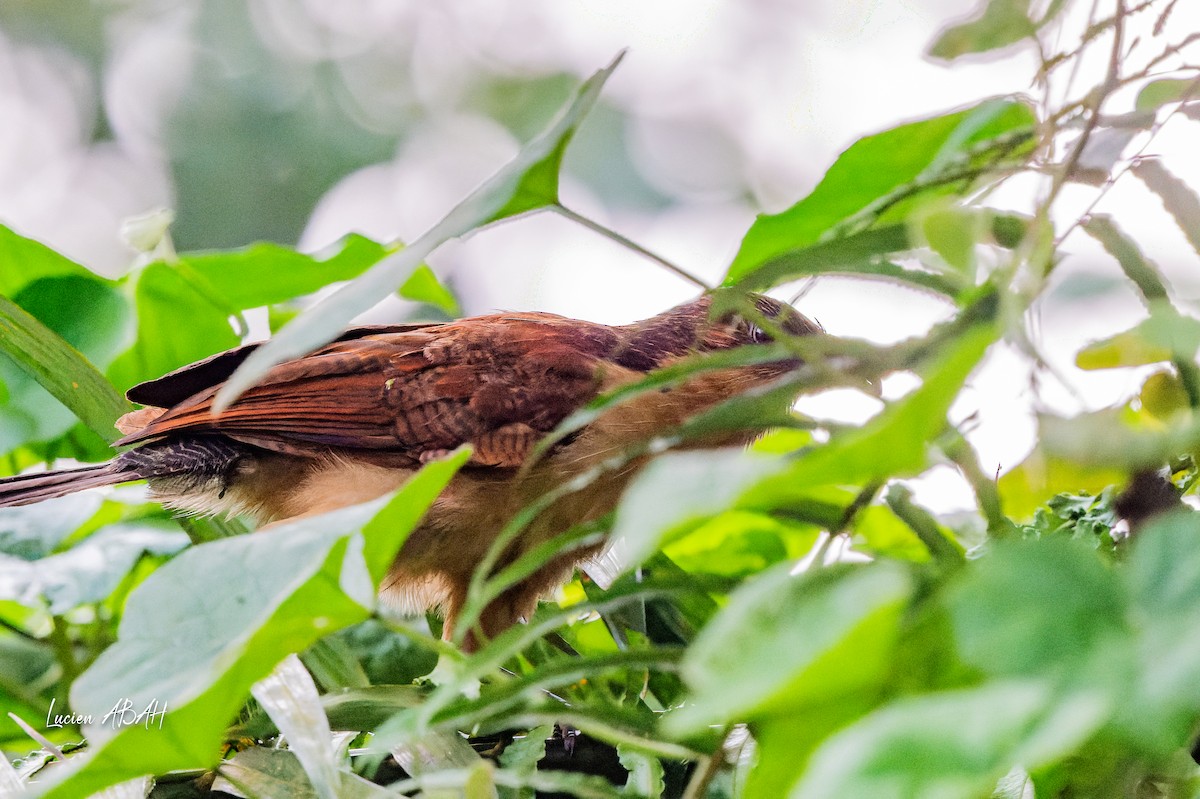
[758, 335]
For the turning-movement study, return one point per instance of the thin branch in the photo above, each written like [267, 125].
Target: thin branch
[613, 235]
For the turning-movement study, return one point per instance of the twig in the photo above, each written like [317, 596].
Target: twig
[613, 235]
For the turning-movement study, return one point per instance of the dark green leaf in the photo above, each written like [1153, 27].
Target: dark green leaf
[61, 369]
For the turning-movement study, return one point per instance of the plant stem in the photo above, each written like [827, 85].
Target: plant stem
[609, 233]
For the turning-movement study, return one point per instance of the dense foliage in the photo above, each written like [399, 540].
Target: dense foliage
[1047, 646]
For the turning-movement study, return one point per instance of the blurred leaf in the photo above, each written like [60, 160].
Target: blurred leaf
[1041, 476]
[1036, 608]
[1163, 396]
[528, 182]
[34, 531]
[423, 286]
[893, 444]
[240, 604]
[953, 232]
[89, 571]
[265, 273]
[680, 489]
[645, 773]
[785, 641]
[1177, 197]
[1120, 246]
[951, 744]
[1101, 152]
[872, 168]
[289, 696]
[1157, 93]
[1164, 585]
[1110, 439]
[1002, 22]
[263, 772]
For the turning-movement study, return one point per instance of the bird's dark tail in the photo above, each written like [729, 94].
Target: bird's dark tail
[25, 489]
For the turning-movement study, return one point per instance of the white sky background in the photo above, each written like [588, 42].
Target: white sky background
[727, 98]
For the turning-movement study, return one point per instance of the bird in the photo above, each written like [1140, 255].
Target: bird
[351, 421]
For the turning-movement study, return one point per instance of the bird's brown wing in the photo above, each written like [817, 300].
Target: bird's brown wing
[498, 383]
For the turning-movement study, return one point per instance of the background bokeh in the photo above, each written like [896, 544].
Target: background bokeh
[298, 121]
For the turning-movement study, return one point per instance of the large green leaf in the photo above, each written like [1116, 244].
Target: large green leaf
[786, 642]
[202, 629]
[528, 182]
[951, 745]
[1037, 608]
[873, 168]
[1164, 585]
[184, 307]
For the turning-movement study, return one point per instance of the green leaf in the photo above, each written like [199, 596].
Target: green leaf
[207, 288]
[953, 233]
[873, 168]
[60, 369]
[893, 444]
[1003, 22]
[681, 489]
[240, 604]
[89, 571]
[528, 182]
[1164, 336]
[785, 642]
[1157, 93]
[1041, 476]
[387, 531]
[1036, 608]
[953, 744]
[265, 273]
[423, 286]
[1111, 440]
[34, 531]
[1164, 585]
[277, 772]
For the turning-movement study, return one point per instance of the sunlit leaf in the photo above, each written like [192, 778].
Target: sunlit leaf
[870, 169]
[423, 286]
[1041, 476]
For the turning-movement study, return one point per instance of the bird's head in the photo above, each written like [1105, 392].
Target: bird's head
[690, 328]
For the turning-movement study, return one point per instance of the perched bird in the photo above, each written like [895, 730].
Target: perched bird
[353, 420]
